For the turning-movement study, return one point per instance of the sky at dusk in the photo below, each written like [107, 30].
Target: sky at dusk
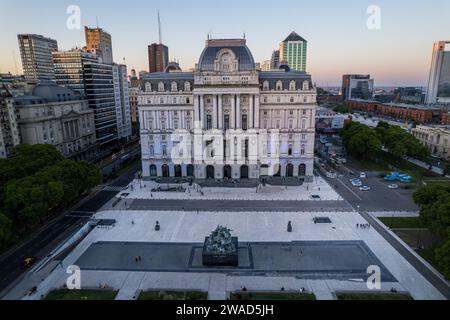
[339, 41]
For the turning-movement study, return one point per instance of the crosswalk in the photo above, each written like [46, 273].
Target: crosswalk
[114, 188]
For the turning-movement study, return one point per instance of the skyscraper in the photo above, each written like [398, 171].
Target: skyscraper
[294, 50]
[158, 57]
[357, 86]
[99, 42]
[439, 81]
[82, 72]
[275, 61]
[122, 97]
[36, 53]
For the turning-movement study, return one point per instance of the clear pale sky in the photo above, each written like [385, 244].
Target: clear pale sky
[339, 41]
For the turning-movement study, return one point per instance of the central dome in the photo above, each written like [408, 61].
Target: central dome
[218, 51]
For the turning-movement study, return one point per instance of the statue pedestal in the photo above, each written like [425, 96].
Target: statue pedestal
[212, 259]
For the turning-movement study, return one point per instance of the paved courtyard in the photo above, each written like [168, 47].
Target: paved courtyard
[308, 259]
[143, 190]
[270, 242]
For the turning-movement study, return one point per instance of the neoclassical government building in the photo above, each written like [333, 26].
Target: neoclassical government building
[226, 119]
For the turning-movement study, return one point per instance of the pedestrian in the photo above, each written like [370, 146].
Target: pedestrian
[132, 222]
[136, 259]
[282, 288]
[357, 226]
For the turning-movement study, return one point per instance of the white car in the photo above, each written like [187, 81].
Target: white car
[364, 188]
[393, 186]
[357, 183]
[363, 175]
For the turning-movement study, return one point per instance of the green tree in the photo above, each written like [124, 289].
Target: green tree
[434, 203]
[361, 141]
[5, 231]
[442, 255]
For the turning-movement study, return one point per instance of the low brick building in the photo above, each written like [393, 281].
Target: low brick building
[419, 113]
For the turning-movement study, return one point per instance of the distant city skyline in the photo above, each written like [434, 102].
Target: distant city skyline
[339, 42]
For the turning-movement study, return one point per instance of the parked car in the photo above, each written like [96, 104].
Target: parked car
[365, 188]
[357, 184]
[363, 175]
[393, 186]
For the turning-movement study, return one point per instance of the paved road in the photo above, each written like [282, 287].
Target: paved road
[239, 205]
[398, 202]
[435, 280]
[49, 237]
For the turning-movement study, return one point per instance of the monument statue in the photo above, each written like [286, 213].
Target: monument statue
[220, 248]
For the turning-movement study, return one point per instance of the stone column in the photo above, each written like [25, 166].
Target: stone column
[196, 110]
[233, 112]
[251, 114]
[202, 112]
[215, 124]
[238, 112]
[256, 124]
[220, 112]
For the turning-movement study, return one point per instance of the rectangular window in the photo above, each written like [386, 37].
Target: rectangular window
[208, 122]
[244, 122]
[226, 122]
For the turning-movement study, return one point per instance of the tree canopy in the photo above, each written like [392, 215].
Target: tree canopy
[434, 203]
[37, 182]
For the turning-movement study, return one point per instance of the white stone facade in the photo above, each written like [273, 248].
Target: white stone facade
[436, 139]
[234, 122]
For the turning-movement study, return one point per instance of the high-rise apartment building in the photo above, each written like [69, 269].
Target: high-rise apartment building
[122, 98]
[9, 129]
[357, 86]
[158, 57]
[294, 50]
[439, 81]
[36, 54]
[82, 72]
[99, 42]
[275, 60]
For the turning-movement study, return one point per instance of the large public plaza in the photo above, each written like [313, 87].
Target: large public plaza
[328, 251]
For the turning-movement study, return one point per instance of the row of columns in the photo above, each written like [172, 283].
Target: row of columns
[218, 114]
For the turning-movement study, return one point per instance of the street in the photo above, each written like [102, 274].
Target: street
[49, 237]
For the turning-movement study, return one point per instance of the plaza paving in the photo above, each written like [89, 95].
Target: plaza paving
[255, 227]
[143, 190]
[311, 259]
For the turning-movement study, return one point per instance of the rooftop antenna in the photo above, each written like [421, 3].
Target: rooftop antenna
[159, 28]
[96, 18]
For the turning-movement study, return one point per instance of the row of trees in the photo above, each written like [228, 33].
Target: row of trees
[364, 142]
[36, 183]
[434, 203]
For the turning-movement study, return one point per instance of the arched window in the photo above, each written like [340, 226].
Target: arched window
[305, 85]
[161, 87]
[279, 86]
[153, 171]
[174, 87]
[187, 86]
[148, 87]
[266, 86]
[292, 86]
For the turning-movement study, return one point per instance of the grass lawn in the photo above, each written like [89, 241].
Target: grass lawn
[402, 222]
[373, 296]
[440, 181]
[419, 238]
[272, 296]
[418, 173]
[173, 295]
[65, 294]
